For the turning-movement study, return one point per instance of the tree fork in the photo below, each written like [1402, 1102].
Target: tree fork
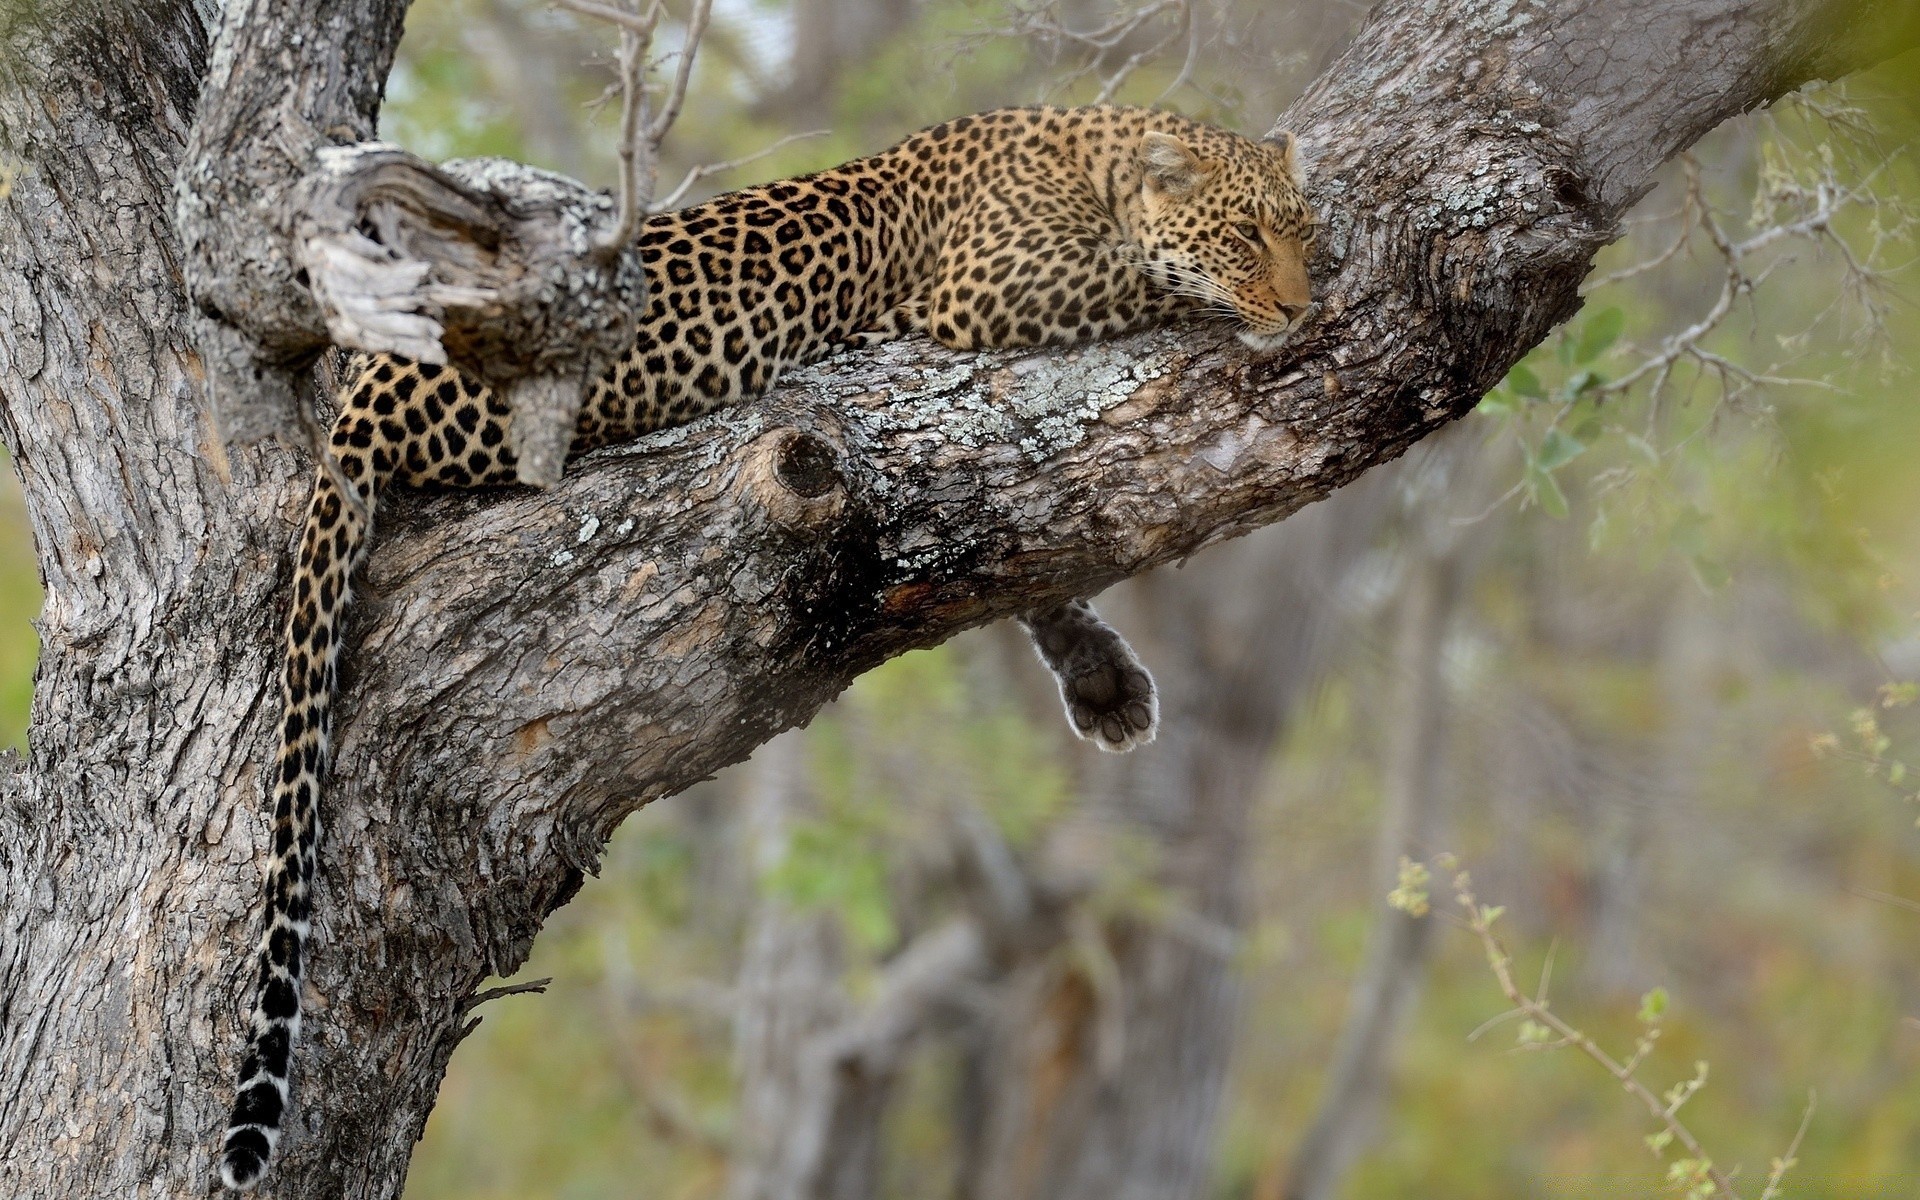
[534, 666]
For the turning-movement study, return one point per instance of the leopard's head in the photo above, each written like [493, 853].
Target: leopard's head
[1224, 222]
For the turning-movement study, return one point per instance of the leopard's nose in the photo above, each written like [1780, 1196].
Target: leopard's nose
[1292, 312]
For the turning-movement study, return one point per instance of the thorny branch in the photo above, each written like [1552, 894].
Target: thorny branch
[1805, 206]
[1543, 1029]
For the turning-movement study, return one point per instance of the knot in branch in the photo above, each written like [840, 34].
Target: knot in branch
[807, 466]
[798, 478]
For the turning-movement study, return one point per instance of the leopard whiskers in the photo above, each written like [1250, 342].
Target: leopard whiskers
[1184, 279]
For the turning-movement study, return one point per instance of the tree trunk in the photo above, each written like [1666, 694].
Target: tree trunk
[533, 666]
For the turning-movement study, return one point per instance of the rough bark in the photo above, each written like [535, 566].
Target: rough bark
[530, 668]
[296, 234]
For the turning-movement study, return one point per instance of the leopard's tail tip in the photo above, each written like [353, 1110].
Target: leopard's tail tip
[244, 1157]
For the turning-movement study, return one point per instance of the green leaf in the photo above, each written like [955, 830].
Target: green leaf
[1600, 331]
[1580, 384]
[1653, 1005]
[1524, 383]
[1558, 449]
[1546, 492]
[1497, 404]
[1688, 533]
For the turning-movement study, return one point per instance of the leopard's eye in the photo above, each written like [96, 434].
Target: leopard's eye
[1249, 231]
[1308, 234]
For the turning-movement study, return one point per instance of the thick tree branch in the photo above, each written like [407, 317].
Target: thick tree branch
[297, 233]
[530, 668]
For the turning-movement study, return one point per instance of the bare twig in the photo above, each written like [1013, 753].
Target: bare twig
[670, 111]
[1141, 32]
[1777, 1171]
[319, 444]
[704, 170]
[642, 128]
[533, 987]
[1791, 206]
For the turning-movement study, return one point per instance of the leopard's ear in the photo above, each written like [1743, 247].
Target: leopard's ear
[1172, 165]
[1287, 147]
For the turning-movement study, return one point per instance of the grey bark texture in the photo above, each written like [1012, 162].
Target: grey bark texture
[529, 668]
[296, 234]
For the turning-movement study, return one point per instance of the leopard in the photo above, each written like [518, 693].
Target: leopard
[1018, 227]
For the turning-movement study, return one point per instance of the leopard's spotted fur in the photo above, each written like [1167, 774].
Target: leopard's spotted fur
[1011, 228]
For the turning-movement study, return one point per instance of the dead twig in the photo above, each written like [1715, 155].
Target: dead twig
[704, 170]
[531, 987]
[642, 127]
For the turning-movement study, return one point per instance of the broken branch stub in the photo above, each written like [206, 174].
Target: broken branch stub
[483, 263]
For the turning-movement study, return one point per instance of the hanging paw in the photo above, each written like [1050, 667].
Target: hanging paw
[1112, 704]
[1109, 696]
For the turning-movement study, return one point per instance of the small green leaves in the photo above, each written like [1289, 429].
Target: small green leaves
[1558, 449]
[827, 867]
[1411, 896]
[1523, 382]
[1543, 489]
[1899, 695]
[1579, 384]
[1653, 1006]
[1598, 334]
[1692, 1178]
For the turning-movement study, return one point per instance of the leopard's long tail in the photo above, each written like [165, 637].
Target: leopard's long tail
[332, 547]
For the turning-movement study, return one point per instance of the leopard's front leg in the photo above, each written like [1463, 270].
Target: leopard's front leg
[1109, 696]
[903, 320]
